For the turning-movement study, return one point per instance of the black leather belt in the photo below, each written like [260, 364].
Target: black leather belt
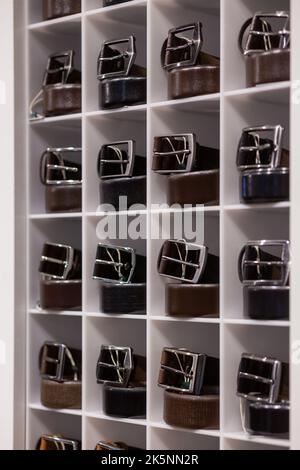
[122, 174]
[61, 89]
[265, 277]
[266, 47]
[108, 3]
[264, 165]
[58, 8]
[190, 71]
[60, 370]
[124, 377]
[122, 83]
[198, 271]
[62, 179]
[122, 273]
[191, 383]
[57, 442]
[263, 386]
[192, 170]
[60, 281]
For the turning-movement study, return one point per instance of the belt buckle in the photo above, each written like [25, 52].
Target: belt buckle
[270, 382]
[252, 269]
[60, 64]
[116, 263]
[61, 443]
[108, 446]
[265, 152]
[56, 261]
[106, 162]
[187, 369]
[191, 271]
[57, 359]
[184, 157]
[180, 50]
[114, 366]
[52, 162]
[262, 29]
[113, 62]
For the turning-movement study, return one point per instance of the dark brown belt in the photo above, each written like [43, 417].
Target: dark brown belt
[192, 300]
[190, 411]
[62, 99]
[63, 198]
[194, 188]
[53, 442]
[58, 8]
[61, 395]
[268, 67]
[108, 446]
[60, 295]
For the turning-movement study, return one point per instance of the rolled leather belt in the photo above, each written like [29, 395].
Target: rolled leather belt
[52, 442]
[194, 188]
[191, 72]
[62, 99]
[268, 67]
[108, 446]
[108, 3]
[65, 395]
[259, 186]
[135, 189]
[63, 198]
[60, 291]
[267, 419]
[267, 48]
[267, 302]
[122, 82]
[191, 411]
[58, 8]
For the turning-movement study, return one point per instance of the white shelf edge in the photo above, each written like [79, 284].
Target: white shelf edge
[245, 322]
[116, 316]
[56, 119]
[249, 207]
[116, 213]
[48, 313]
[259, 89]
[111, 112]
[200, 432]
[161, 318]
[48, 23]
[95, 415]
[212, 98]
[121, 6]
[240, 436]
[60, 215]
[39, 407]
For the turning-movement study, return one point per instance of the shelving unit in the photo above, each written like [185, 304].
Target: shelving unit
[217, 121]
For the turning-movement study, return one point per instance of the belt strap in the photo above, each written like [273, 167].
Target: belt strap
[125, 402]
[135, 189]
[124, 91]
[58, 8]
[193, 81]
[123, 298]
[268, 67]
[190, 411]
[194, 188]
[184, 300]
[266, 419]
[57, 395]
[258, 186]
[63, 198]
[50, 442]
[108, 3]
[60, 295]
[267, 302]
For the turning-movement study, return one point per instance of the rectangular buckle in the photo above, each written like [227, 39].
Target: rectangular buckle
[259, 378]
[174, 154]
[114, 366]
[53, 358]
[56, 261]
[114, 264]
[181, 371]
[59, 443]
[262, 35]
[181, 50]
[58, 68]
[258, 264]
[116, 62]
[116, 160]
[55, 171]
[182, 261]
[260, 147]
[109, 446]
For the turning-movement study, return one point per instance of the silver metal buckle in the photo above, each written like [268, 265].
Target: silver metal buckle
[272, 382]
[188, 51]
[196, 266]
[64, 68]
[184, 159]
[48, 168]
[110, 256]
[61, 443]
[125, 166]
[188, 367]
[66, 262]
[267, 33]
[246, 261]
[121, 61]
[57, 360]
[108, 446]
[110, 362]
[255, 151]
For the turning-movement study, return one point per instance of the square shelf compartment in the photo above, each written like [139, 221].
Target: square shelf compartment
[166, 439]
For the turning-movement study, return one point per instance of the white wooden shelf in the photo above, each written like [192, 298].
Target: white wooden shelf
[241, 436]
[39, 407]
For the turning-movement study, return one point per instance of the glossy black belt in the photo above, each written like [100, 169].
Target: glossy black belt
[108, 3]
[122, 83]
[122, 173]
[266, 419]
[258, 186]
[267, 302]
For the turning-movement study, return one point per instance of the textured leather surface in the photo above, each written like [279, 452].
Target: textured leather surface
[58, 395]
[124, 91]
[266, 420]
[192, 300]
[190, 411]
[123, 298]
[267, 67]
[62, 99]
[125, 402]
[57, 8]
[134, 188]
[194, 188]
[63, 198]
[60, 295]
[193, 81]
[270, 186]
[267, 303]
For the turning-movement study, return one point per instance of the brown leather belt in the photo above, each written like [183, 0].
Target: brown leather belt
[60, 295]
[63, 198]
[62, 99]
[192, 300]
[191, 72]
[108, 446]
[58, 8]
[268, 67]
[190, 411]
[60, 369]
[53, 442]
[194, 188]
